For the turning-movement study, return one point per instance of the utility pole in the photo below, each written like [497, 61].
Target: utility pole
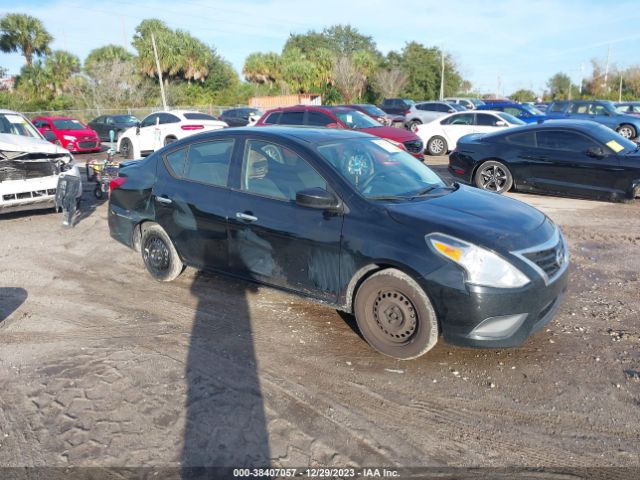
[606, 70]
[581, 77]
[155, 53]
[442, 76]
[620, 89]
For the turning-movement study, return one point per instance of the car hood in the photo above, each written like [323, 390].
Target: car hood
[20, 143]
[85, 132]
[480, 217]
[397, 134]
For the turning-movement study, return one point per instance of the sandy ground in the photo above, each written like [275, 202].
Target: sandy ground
[102, 366]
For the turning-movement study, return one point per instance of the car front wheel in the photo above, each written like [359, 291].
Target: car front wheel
[395, 315]
[413, 125]
[493, 176]
[159, 255]
[126, 149]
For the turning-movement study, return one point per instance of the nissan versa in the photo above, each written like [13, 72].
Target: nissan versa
[350, 220]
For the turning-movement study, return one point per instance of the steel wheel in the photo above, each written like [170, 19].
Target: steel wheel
[126, 149]
[159, 255]
[494, 177]
[395, 316]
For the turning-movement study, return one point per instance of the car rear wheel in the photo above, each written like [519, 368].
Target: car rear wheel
[413, 125]
[437, 146]
[395, 315]
[159, 255]
[126, 149]
[169, 140]
[627, 131]
[493, 176]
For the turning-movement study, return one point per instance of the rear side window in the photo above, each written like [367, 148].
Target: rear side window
[292, 118]
[208, 162]
[318, 119]
[526, 139]
[176, 160]
[272, 119]
[198, 116]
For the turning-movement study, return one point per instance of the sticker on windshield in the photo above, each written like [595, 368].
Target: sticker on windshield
[17, 119]
[388, 146]
[615, 146]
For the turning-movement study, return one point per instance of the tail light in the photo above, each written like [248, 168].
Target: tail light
[192, 127]
[116, 183]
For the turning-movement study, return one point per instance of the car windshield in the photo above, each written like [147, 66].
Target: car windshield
[15, 124]
[125, 119]
[355, 119]
[68, 125]
[510, 118]
[531, 109]
[613, 140]
[476, 102]
[373, 110]
[378, 169]
[458, 106]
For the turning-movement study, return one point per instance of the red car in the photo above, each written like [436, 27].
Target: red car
[376, 113]
[69, 132]
[342, 117]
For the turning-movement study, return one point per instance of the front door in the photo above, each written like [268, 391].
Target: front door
[147, 133]
[274, 240]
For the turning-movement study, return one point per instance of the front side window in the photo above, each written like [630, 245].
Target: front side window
[168, 118]
[208, 162]
[275, 171]
[486, 120]
[580, 108]
[564, 140]
[427, 107]
[377, 169]
[318, 119]
[558, 107]
[149, 121]
[598, 109]
[459, 119]
[355, 119]
[526, 139]
[516, 112]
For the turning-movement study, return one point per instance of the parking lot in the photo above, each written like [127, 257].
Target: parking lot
[102, 366]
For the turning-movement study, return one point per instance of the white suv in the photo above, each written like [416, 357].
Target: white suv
[162, 128]
[30, 166]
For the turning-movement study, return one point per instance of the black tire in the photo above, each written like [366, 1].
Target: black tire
[169, 139]
[413, 125]
[159, 255]
[395, 315]
[493, 176]
[437, 146]
[98, 193]
[627, 131]
[126, 149]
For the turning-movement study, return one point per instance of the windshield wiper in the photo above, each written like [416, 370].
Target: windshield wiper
[388, 197]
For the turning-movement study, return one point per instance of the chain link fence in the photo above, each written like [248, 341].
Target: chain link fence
[86, 115]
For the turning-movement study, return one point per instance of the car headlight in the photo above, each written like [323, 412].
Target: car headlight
[482, 266]
[69, 137]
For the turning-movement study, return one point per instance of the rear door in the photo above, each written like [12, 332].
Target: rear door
[192, 200]
[271, 238]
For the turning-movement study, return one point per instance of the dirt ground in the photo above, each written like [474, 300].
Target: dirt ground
[102, 366]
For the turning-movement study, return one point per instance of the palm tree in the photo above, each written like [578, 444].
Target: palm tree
[24, 33]
[108, 54]
[59, 67]
[262, 68]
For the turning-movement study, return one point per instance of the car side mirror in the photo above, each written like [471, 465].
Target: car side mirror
[451, 110]
[501, 123]
[317, 198]
[333, 125]
[595, 152]
[137, 128]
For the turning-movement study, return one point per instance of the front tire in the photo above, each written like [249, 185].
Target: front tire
[413, 125]
[395, 315]
[126, 149]
[627, 131]
[169, 140]
[493, 176]
[437, 146]
[159, 255]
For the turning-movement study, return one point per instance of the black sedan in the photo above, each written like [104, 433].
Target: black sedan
[118, 123]
[239, 117]
[352, 221]
[563, 157]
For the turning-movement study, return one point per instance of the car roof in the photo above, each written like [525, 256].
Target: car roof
[296, 134]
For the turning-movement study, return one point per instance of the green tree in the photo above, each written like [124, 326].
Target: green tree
[59, 67]
[108, 53]
[523, 95]
[560, 87]
[262, 68]
[25, 34]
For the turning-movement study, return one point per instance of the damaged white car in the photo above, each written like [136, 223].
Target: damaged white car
[30, 166]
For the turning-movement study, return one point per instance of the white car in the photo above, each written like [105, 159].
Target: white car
[161, 128]
[441, 135]
[30, 166]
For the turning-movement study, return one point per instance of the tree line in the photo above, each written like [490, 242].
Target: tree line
[338, 62]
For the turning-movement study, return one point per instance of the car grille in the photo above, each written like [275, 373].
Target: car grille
[92, 144]
[413, 146]
[25, 170]
[550, 260]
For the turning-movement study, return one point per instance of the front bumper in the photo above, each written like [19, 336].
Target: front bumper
[497, 318]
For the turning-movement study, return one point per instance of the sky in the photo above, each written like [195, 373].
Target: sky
[498, 45]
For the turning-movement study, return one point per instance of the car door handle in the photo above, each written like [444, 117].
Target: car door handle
[164, 200]
[533, 157]
[246, 217]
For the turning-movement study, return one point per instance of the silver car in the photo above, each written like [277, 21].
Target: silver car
[425, 112]
[468, 103]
